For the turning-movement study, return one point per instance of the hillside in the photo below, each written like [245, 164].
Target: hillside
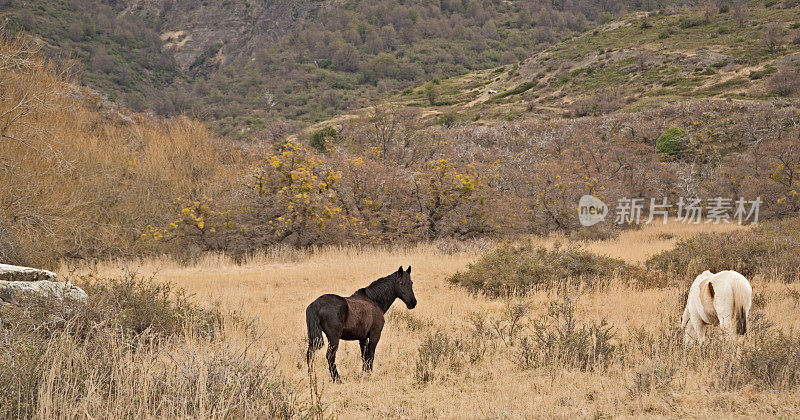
[641, 60]
[263, 68]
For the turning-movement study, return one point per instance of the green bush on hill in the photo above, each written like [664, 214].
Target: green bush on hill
[320, 139]
[672, 142]
[447, 119]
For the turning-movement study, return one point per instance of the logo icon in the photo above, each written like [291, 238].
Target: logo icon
[591, 210]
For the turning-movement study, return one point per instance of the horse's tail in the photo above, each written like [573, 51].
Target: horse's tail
[314, 329]
[741, 321]
[742, 295]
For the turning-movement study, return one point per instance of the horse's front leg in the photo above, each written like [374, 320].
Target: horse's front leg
[700, 331]
[689, 335]
[369, 354]
[333, 345]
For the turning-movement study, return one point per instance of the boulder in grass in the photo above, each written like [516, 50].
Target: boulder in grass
[25, 286]
[17, 273]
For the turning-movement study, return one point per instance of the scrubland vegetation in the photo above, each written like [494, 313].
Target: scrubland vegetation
[263, 70]
[78, 175]
[572, 348]
[640, 61]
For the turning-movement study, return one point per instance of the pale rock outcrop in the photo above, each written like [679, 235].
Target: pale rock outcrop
[26, 286]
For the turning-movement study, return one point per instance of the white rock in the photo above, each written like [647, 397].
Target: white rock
[18, 273]
[26, 286]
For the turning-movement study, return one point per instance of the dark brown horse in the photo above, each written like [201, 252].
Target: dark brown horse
[358, 317]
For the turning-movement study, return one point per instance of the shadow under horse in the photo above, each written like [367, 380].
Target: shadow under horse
[357, 317]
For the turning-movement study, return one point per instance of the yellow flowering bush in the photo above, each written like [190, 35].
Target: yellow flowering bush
[198, 222]
[295, 195]
[450, 199]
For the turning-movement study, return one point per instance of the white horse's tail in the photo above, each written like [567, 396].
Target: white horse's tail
[742, 295]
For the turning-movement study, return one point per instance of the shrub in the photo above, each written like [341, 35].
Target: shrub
[672, 142]
[689, 22]
[320, 139]
[511, 322]
[758, 74]
[521, 88]
[136, 304]
[770, 361]
[784, 82]
[436, 350]
[654, 375]
[559, 340]
[772, 36]
[431, 92]
[517, 269]
[769, 248]
[447, 119]
[601, 103]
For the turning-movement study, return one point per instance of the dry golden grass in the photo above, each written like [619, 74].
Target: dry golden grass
[636, 246]
[275, 289]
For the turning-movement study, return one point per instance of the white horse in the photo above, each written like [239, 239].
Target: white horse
[723, 298]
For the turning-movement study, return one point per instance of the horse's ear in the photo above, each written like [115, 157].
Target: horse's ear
[400, 270]
[409, 270]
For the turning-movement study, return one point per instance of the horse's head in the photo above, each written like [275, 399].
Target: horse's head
[403, 287]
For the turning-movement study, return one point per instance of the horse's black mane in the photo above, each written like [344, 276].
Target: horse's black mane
[381, 291]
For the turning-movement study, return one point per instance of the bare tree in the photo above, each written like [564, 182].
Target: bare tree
[385, 121]
[740, 12]
[642, 57]
[772, 36]
[709, 7]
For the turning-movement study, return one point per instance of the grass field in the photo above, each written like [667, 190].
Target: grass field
[650, 373]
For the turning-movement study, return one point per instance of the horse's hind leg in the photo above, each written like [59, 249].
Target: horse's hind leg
[363, 344]
[333, 345]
